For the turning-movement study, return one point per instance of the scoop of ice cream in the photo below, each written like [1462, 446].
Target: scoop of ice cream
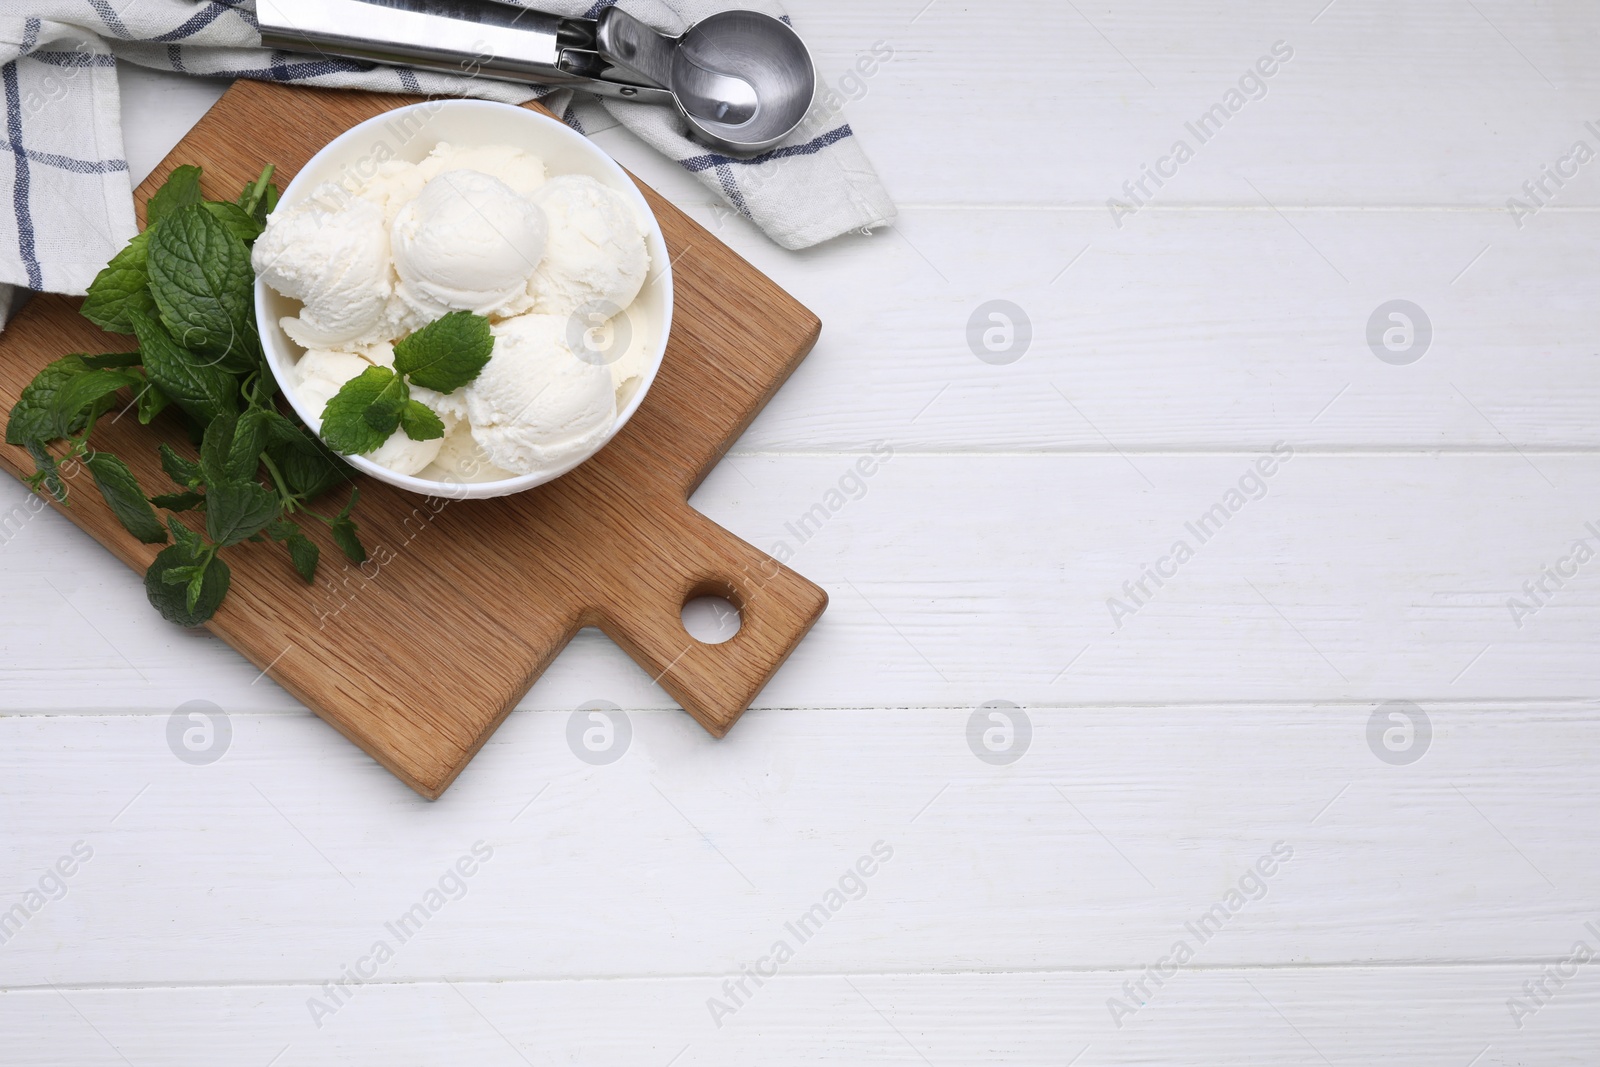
[403, 455]
[395, 185]
[596, 252]
[536, 405]
[467, 243]
[462, 460]
[331, 253]
[523, 172]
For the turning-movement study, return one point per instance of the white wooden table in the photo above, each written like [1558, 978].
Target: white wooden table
[1333, 685]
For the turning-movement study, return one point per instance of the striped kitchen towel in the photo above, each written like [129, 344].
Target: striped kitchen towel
[70, 206]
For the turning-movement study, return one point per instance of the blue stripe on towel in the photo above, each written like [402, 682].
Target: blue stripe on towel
[696, 164]
[730, 188]
[197, 22]
[109, 16]
[76, 166]
[21, 188]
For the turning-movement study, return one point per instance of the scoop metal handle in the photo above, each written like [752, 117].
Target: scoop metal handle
[635, 47]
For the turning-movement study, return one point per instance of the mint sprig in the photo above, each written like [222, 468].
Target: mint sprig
[183, 288]
[444, 355]
[365, 411]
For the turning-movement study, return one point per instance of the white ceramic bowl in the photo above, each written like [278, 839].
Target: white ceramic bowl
[410, 133]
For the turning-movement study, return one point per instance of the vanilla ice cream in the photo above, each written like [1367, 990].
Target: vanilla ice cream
[523, 172]
[467, 243]
[596, 253]
[320, 373]
[403, 455]
[476, 228]
[463, 461]
[395, 185]
[330, 252]
[536, 405]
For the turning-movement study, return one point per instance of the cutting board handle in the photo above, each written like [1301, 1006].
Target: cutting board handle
[691, 557]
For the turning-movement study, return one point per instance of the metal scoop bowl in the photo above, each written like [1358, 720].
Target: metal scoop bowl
[741, 79]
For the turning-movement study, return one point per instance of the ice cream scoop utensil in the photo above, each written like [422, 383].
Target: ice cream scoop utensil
[742, 80]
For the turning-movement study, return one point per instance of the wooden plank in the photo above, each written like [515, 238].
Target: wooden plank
[1393, 575]
[1411, 1017]
[1406, 103]
[1114, 829]
[488, 593]
[1199, 331]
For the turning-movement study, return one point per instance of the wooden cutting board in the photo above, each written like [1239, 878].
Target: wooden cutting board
[420, 653]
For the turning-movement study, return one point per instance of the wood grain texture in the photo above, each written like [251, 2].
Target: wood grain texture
[418, 654]
[687, 856]
[1299, 1017]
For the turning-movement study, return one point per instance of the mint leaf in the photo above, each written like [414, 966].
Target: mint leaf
[121, 287]
[185, 472]
[181, 575]
[201, 279]
[33, 416]
[344, 535]
[173, 600]
[111, 359]
[231, 449]
[46, 474]
[236, 511]
[383, 414]
[152, 401]
[419, 422]
[447, 353]
[304, 555]
[249, 440]
[302, 552]
[182, 535]
[309, 468]
[365, 411]
[186, 501]
[80, 396]
[235, 219]
[350, 505]
[204, 391]
[181, 189]
[121, 490]
[344, 531]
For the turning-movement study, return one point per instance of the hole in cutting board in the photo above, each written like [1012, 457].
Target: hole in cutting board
[711, 620]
